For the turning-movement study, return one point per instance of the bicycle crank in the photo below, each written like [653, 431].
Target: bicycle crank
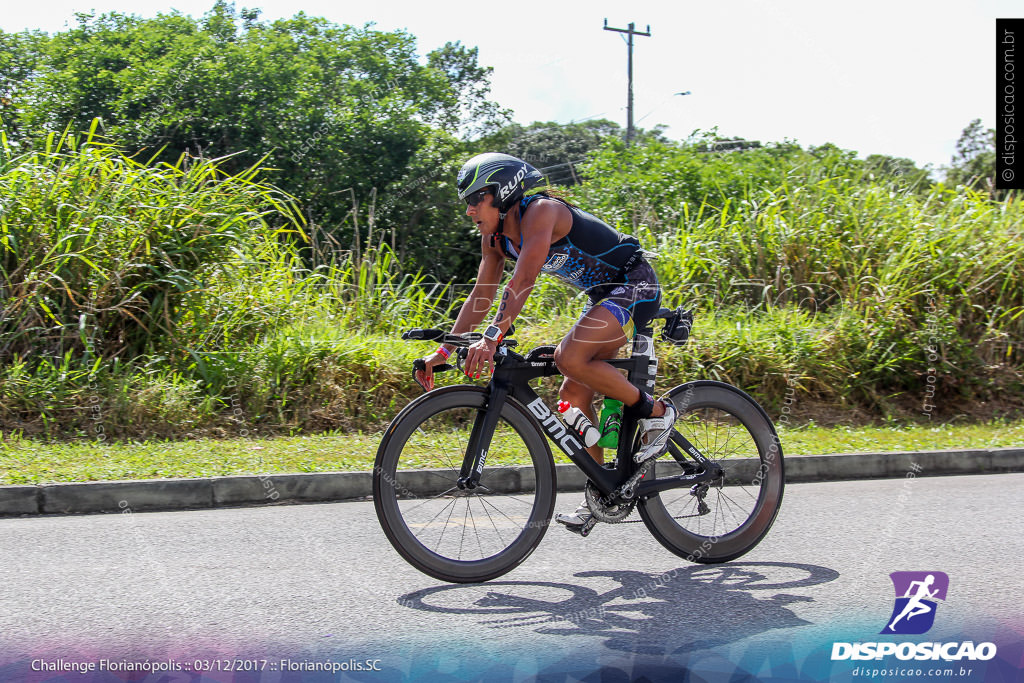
[603, 511]
[628, 490]
[585, 528]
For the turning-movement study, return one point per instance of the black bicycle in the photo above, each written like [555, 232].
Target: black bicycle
[455, 499]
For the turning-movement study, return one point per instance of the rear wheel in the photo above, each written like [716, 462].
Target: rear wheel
[720, 520]
[460, 535]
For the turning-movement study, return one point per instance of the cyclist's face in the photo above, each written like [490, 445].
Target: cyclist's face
[484, 214]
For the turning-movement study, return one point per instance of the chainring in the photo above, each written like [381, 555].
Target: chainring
[610, 514]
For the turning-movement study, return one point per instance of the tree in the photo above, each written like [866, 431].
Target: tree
[20, 54]
[974, 162]
[903, 172]
[556, 148]
[471, 110]
[341, 113]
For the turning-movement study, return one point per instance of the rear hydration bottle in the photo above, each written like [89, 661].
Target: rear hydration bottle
[611, 423]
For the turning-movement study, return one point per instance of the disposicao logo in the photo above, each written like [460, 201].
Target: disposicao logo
[913, 614]
[916, 593]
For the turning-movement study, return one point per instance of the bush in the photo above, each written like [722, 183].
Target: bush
[158, 300]
[104, 256]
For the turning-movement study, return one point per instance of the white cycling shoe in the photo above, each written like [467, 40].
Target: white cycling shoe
[655, 434]
[578, 518]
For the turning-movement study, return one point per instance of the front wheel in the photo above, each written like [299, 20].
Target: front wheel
[457, 535]
[720, 520]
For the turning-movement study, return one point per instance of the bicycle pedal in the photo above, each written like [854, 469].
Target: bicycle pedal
[581, 529]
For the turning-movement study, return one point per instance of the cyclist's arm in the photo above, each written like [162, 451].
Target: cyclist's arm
[537, 229]
[534, 251]
[474, 308]
[488, 276]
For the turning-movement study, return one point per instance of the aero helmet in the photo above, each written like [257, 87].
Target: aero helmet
[510, 177]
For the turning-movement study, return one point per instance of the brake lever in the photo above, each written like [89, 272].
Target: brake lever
[419, 365]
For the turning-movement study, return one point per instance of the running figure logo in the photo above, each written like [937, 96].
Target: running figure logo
[916, 592]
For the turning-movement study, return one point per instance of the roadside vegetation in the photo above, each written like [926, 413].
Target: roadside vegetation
[172, 300]
[180, 269]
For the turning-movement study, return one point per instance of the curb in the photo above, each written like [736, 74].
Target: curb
[214, 492]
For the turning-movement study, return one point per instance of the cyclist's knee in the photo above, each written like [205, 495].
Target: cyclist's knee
[563, 358]
[570, 360]
[576, 394]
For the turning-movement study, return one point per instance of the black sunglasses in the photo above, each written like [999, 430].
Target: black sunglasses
[478, 196]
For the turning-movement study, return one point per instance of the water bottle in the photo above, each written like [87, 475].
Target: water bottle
[579, 423]
[611, 423]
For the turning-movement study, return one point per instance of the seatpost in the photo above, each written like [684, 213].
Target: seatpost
[643, 347]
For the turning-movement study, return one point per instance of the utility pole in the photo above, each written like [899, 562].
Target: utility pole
[631, 31]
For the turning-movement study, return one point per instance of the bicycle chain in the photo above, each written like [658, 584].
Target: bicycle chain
[610, 514]
[616, 512]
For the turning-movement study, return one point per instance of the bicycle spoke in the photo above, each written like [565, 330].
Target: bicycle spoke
[728, 508]
[725, 456]
[726, 496]
[445, 527]
[427, 500]
[499, 511]
[465, 519]
[744, 489]
[433, 440]
[497, 531]
[715, 432]
[439, 476]
[727, 440]
[441, 512]
[516, 499]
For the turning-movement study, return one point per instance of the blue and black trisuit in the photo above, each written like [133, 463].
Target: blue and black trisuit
[601, 261]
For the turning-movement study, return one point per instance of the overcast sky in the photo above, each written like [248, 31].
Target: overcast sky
[898, 78]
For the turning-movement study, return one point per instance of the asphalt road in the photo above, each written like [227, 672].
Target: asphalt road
[320, 583]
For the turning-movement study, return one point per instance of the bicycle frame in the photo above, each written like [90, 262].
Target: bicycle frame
[511, 378]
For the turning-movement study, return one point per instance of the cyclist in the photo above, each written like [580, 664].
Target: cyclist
[541, 232]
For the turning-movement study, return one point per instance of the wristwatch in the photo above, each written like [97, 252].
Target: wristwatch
[493, 333]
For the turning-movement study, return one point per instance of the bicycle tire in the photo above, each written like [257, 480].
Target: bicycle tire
[676, 518]
[412, 500]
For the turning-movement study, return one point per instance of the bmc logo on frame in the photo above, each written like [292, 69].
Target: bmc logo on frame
[913, 613]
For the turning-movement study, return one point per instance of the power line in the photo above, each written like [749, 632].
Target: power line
[630, 32]
[660, 105]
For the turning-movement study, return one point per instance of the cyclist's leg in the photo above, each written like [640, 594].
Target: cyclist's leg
[628, 306]
[582, 396]
[595, 338]
[580, 357]
[598, 336]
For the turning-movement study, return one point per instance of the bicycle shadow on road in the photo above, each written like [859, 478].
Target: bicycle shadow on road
[681, 610]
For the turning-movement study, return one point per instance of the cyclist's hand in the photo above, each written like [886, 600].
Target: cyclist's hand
[426, 378]
[480, 358]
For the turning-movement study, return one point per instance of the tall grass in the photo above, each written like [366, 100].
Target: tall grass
[910, 282]
[166, 298]
[854, 289]
[175, 300]
[103, 255]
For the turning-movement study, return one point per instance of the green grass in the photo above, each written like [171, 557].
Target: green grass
[813, 440]
[25, 461]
